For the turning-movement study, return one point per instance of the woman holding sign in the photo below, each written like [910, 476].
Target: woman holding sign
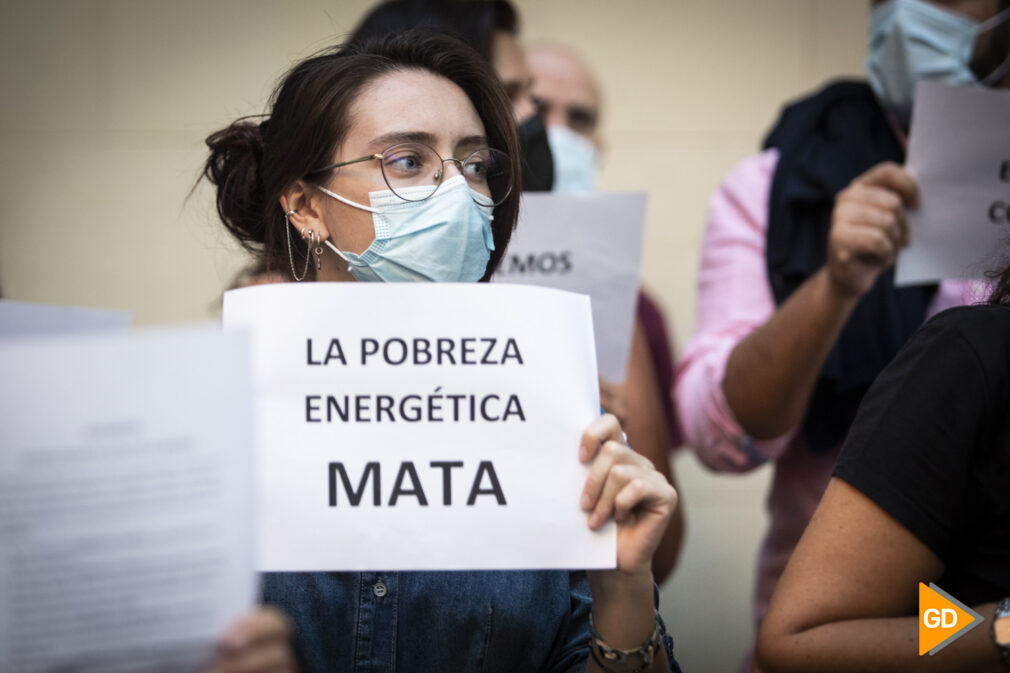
[397, 160]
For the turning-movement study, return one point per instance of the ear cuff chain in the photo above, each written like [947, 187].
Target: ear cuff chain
[313, 246]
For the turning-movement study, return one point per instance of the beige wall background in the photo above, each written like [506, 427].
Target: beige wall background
[104, 105]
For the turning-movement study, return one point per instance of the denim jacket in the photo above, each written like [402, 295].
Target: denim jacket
[438, 622]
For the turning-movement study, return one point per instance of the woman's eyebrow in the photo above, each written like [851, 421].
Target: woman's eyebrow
[471, 141]
[387, 139]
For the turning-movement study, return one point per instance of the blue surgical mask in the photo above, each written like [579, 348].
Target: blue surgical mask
[574, 160]
[914, 39]
[444, 238]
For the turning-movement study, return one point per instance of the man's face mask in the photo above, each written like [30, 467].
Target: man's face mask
[444, 238]
[575, 160]
[535, 154]
[914, 39]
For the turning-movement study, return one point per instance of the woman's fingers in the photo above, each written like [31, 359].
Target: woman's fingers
[616, 479]
[634, 493]
[648, 490]
[609, 454]
[602, 429]
[626, 486]
[607, 474]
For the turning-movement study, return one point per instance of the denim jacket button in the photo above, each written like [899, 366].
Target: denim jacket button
[379, 589]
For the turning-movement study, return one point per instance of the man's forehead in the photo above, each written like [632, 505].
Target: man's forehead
[564, 72]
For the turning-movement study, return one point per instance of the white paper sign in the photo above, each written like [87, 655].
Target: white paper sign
[421, 426]
[959, 151]
[18, 318]
[589, 243]
[125, 500]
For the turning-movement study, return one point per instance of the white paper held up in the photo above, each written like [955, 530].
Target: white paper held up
[959, 152]
[420, 426]
[125, 499]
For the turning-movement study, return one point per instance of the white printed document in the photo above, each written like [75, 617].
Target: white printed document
[590, 243]
[125, 500]
[421, 426]
[959, 152]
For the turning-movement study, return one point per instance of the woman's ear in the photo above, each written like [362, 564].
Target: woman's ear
[304, 214]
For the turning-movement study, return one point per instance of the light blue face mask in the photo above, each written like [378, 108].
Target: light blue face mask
[444, 238]
[574, 160]
[914, 39]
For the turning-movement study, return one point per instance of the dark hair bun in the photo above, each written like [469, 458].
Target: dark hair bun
[236, 153]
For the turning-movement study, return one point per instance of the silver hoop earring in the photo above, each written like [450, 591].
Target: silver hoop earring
[291, 254]
[319, 253]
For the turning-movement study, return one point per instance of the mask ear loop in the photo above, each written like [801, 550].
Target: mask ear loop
[353, 204]
[339, 253]
[347, 201]
[997, 74]
[993, 21]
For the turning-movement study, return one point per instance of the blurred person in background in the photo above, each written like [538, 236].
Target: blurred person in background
[797, 308]
[568, 97]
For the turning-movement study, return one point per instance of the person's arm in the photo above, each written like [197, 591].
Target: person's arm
[645, 423]
[624, 485]
[771, 374]
[848, 598]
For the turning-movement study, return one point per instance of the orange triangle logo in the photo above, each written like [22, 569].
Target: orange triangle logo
[942, 619]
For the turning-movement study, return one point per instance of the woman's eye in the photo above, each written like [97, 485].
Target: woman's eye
[404, 163]
[475, 170]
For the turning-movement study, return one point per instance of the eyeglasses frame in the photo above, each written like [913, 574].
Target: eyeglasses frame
[440, 173]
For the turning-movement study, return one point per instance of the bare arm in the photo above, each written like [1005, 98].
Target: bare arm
[771, 374]
[848, 598]
[645, 424]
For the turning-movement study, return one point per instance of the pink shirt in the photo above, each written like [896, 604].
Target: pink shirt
[734, 299]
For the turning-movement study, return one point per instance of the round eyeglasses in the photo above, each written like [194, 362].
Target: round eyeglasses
[414, 171]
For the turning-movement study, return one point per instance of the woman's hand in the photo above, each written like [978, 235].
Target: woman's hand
[260, 642]
[626, 486]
